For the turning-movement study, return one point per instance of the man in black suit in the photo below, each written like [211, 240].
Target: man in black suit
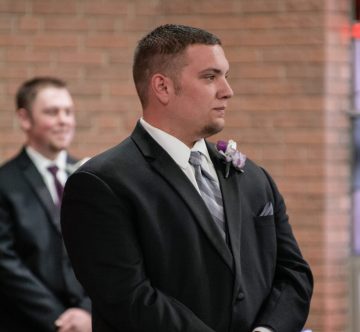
[38, 289]
[167, 233]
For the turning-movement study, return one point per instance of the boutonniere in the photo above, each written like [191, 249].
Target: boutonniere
[231, 155]
[71, 168]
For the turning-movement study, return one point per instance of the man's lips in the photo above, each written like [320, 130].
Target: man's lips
[220, 111]
[62, 133]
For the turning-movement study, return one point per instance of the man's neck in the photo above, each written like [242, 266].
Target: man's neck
[51, 155]
[189, 142]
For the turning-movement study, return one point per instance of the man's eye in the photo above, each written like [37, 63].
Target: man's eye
[210, 77]
[69, 111]
[51, 111]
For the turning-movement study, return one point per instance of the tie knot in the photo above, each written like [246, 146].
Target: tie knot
[195, 158]
[53, 169]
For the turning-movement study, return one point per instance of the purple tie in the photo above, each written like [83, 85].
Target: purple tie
[59, 187]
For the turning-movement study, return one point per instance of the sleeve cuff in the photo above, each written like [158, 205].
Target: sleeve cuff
[262, 329]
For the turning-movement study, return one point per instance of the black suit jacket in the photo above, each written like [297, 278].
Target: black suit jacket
[145, 247]
[37, 283]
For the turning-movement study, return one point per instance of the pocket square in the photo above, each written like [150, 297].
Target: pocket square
[268, 210]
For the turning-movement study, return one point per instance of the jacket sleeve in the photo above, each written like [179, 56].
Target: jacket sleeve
[99, 229]
[287, 306]
[18, 284]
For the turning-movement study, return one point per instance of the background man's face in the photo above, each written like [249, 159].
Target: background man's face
[50, 124]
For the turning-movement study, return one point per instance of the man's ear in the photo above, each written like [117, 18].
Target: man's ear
[24, 117]
[162, 87]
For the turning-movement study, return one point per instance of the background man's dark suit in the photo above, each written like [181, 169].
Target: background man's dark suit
[161, 264]
[36, 279]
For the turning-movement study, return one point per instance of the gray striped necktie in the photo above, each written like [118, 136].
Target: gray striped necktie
[210, 191]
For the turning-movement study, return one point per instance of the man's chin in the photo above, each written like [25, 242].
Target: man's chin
[59, 147]
[213, 129]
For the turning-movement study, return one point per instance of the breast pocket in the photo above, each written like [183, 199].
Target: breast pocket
[264, 221]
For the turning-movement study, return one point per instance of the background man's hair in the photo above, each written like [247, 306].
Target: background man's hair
[160, 52]
[28, 91]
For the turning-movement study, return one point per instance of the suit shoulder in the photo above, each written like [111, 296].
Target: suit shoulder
[252, 167]
[116, 156]
[9, 166]
[10, 175]
[256, 173]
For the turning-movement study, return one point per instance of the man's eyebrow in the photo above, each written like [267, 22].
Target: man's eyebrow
[213, 70]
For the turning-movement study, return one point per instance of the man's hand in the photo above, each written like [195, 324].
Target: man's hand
[74, 320]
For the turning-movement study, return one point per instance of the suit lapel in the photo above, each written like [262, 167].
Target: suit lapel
[37, 183]
[171, 172]
[232, 202]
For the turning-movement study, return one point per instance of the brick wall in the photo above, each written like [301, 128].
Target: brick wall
[290, 70]
[333, 290]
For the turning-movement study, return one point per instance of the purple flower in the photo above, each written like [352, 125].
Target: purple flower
[231, 155]
[221, 146]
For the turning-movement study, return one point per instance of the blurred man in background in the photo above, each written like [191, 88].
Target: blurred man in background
[38, 289]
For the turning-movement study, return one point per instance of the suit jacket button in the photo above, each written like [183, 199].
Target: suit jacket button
[240, 296]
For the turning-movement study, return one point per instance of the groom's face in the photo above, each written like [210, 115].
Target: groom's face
[201, 99]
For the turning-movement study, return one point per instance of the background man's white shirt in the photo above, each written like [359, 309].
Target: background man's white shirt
[42, 163]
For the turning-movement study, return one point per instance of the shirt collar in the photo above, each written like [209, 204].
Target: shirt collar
[42, 162]
[177, 150]
[201, 147]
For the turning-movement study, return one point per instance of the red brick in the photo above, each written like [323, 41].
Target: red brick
[107, 41]
[27, 56]
[240, 54]
[68, 72]
[265, 38]
[7, 40]
[302, 5]
[96, 58]
[105, 7]
[255, 70]
[107, 24]
[86, 88]
[66, 24]
[121, 56]
[213, 7]
[10, 72]
[134, 24]
[107, 121]
[29, 23]
[54, 40]
[108, 74]
[146, 8]
[122, 89]
[54, 7]
[14, 7]
[293, 54]
[260, 6]
[6, 24]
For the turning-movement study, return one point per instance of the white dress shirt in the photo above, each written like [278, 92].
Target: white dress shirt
[42, 163]
[180, 152]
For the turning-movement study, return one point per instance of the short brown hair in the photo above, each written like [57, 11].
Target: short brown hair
[28, 91]
[159, 51]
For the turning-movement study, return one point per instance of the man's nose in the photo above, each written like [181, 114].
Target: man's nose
[225, 90]
[63, 115]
